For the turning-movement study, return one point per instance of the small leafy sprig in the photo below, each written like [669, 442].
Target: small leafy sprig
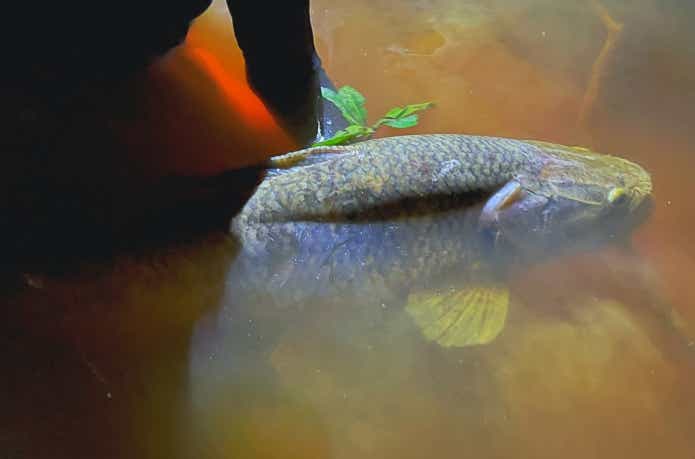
[351, 104]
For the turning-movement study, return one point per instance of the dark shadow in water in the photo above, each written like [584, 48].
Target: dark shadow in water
[68, 188]
[95, 361]
[51, 225]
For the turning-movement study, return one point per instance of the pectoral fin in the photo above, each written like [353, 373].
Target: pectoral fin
[460, 318]
[505, 197]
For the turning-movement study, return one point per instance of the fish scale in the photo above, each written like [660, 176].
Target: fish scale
[403, 253]
[383, 171]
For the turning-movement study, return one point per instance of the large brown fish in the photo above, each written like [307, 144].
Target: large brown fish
[437, 219]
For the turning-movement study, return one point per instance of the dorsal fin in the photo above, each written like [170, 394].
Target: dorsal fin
[308, 156]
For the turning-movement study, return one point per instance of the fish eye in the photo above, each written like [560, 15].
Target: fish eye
[617, 195]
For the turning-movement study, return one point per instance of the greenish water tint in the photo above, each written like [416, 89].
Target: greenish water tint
[179, 355]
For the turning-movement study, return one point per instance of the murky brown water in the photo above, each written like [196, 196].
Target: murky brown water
[164, 356]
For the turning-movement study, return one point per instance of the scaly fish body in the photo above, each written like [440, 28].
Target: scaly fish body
[300, 260]
[402, 214]
[384, 171]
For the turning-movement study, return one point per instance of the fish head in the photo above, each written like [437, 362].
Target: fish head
[573, 198]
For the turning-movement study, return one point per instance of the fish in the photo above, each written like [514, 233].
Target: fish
[379, 172]
[437, 220]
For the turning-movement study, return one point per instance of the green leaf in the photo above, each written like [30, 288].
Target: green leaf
[329, 94]
[401, 123]
[395, 112]
[403, 117]
[346, 135]
[410, 109]
[402, 112]
[350, 103]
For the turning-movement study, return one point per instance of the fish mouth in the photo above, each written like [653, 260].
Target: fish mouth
[642, 209]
